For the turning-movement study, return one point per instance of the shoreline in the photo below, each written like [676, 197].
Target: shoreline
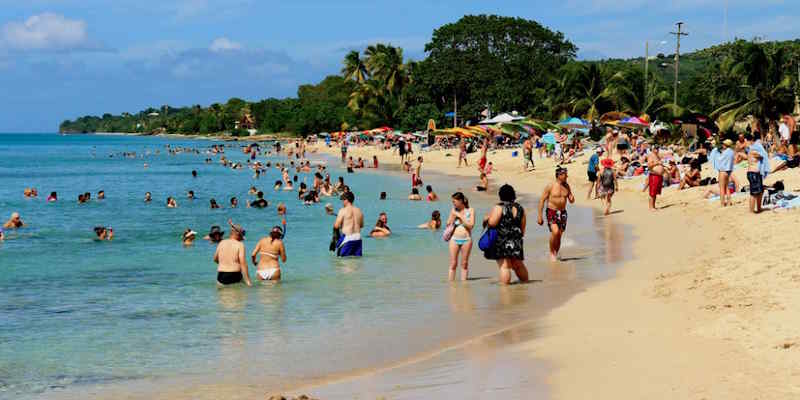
[691, 315]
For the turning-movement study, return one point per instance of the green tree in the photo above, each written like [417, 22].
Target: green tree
[354, 68]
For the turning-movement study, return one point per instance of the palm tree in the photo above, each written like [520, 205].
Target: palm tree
[766, 91]
[385, 64]
[354, 68]
[592, 93]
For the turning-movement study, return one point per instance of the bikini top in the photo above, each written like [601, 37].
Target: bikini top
[458, 221]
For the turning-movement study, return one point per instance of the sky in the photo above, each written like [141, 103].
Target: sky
[61, 59]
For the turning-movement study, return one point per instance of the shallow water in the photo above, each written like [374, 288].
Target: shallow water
[79, 316]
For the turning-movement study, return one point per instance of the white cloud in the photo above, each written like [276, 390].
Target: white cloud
[46, 31]
[224, 44]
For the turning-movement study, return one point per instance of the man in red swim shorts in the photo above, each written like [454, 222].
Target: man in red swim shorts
[555, 196]
[656, 178]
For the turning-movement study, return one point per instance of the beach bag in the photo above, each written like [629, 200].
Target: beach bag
[448, 232]
[487, 239]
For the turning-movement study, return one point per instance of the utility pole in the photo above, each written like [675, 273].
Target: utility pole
[646, 66]
[678, 35]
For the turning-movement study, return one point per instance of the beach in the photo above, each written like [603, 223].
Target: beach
[703, 309]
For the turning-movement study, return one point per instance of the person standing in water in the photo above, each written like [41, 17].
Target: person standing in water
[272, 252]
[462, 217]
[555, 196]
[508, 219]
[231, 259]
[349, 223]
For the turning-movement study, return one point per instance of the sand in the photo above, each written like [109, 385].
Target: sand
[705, 309]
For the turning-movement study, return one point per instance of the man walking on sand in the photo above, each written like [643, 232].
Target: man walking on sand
[349, 222]
[591, 170]
[555, 196]
[655, 179]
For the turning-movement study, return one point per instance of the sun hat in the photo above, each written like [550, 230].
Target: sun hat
[189, 233]
[600, 150]
[727, 142]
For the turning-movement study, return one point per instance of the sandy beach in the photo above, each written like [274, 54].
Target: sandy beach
[704, 309]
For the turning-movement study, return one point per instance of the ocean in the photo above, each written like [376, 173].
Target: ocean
[86, 318]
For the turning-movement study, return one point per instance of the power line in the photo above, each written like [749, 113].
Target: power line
[678, 35]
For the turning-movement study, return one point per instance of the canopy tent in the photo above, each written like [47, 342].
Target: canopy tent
[573, 123]
[501, 118]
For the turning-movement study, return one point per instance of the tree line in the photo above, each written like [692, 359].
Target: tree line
[499, 63]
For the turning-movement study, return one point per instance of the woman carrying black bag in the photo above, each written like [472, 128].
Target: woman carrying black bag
[508, 219]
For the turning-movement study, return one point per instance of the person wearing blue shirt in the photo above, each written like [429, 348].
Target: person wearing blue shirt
[594, 161]
[725, 167]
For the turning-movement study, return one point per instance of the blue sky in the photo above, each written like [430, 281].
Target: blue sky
[60, 59]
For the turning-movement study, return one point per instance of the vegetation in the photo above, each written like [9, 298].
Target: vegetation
[499, 63]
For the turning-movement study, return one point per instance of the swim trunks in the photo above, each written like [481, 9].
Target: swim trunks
[349, 245]
[592, 176]
[756, 183]
[482, 163]
[229, 278]
[655, 181]
[558, 218]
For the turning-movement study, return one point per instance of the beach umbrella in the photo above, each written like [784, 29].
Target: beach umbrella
[573, 123]
[549, 138]
[324, 134]
[613, 116]
[632, 122]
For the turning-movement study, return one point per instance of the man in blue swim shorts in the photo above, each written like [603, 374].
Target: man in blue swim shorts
[349, 222]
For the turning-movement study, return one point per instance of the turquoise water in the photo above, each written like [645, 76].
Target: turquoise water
[76, 314]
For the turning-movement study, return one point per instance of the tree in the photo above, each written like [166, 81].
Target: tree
[488, 59]
[354, 68]
[765, 87]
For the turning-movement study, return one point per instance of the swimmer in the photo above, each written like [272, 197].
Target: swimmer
[252, 190]
[190, 195]
[259, 202]
[189, 236]
[171, 203]
[414, 196]
[101, 195]
[328, 209]
[432, 196]
[271, 249]
[53, 197]
[234, 202]
[382, 196]
[14, 222]
[81, 199]
[104, 233]
[194, 173]
[147, 197]
[434, 223]
[381, 228]
[278, 185]
[215, 234]
[214, 204]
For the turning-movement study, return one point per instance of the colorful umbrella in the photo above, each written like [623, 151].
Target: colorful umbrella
[549, 138]
[573, 123]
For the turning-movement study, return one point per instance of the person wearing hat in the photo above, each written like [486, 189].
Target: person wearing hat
[591, 170]
[555, 197]
[725, 167]
[231, 259]
[215, 234]
[608, 183]
[189, 236]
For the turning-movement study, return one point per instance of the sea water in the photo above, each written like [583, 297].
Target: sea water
[78, 315]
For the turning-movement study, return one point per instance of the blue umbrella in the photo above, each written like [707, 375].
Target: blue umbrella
[549, 138]
[573, 123]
